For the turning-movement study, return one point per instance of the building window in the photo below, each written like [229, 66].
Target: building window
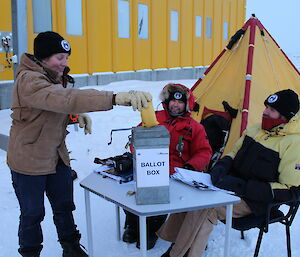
[208, 27]
[174, 25]
[143, 25]
[123, 19]
[42, 15]
[74, 17]
[198, 26]
[225, 30]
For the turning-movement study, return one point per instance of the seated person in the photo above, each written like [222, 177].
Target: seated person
[262, 167]
[189, 148]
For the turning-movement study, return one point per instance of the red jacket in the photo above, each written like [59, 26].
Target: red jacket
[195, 151]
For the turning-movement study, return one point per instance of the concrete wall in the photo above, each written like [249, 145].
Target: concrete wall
[5, 94]
[3, 142]
[105, 78]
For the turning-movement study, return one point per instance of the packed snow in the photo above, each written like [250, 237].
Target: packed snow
[84, 148]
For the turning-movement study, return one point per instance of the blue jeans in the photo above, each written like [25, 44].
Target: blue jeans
[30, 193]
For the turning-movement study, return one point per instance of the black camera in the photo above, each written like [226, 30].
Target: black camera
[123, 163]
[120, 163]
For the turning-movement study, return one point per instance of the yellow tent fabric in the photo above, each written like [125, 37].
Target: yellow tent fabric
[251, 70]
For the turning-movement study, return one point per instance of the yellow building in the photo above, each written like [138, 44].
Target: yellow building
[131, 35]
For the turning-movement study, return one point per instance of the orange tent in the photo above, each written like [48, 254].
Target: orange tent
[250, 68]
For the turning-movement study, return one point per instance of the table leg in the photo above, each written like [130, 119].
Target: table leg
[118, 222]
[88, 222]
[228, 228]
[143, 236]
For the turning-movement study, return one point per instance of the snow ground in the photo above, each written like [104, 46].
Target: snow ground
[84, 148]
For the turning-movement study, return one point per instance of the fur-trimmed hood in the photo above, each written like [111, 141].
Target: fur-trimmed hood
[170, 88]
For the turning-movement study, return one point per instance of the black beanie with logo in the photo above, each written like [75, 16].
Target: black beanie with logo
[49, 43]
[286, 102]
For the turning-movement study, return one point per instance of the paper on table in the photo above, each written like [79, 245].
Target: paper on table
[196, 179]
[99, 168]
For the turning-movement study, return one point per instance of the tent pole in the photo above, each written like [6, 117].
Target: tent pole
[246, 101]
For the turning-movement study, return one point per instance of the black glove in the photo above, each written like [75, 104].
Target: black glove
[217, 173]
[259, 191]
[188, 167]
[221, 169]
[233, 184]
[73, 174]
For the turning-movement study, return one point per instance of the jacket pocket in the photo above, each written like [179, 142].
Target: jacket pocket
[33, 134]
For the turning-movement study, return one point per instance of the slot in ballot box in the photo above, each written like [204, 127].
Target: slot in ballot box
[151, 164]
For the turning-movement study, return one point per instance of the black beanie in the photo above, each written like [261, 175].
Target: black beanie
[49, 43]
[286, 102]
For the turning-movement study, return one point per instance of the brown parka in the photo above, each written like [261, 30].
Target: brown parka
[40, 106]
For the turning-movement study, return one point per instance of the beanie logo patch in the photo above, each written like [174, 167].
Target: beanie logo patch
[272, 98]
[178, 95]
[65, 45]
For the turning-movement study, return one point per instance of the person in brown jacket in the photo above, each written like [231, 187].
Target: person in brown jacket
[37, 154]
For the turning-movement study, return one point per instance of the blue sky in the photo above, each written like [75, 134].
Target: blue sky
[281, 19]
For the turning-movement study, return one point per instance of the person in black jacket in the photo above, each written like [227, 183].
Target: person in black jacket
[263, 166]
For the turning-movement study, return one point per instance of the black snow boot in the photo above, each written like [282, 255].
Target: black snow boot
[151, 240]
[130, 235]
[30, 252]
[72, 247]
[167, 253]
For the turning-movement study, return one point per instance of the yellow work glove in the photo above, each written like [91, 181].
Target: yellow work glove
[85, 122]
[148, 116]
[136, 99]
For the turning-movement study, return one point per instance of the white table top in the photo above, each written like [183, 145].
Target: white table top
[182, 197]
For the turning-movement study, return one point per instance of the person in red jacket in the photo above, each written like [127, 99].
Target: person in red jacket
[189, 148]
